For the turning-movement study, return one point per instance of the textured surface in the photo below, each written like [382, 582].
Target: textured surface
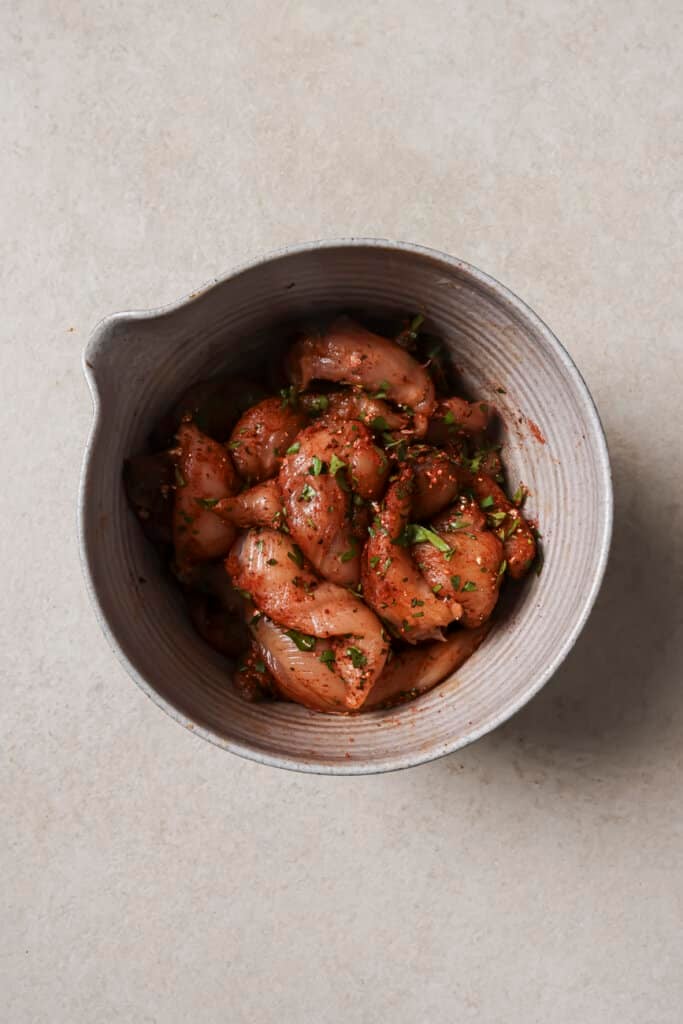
[535, 876]
[139, 365]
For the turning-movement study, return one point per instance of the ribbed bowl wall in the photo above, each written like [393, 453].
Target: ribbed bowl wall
[138, 364]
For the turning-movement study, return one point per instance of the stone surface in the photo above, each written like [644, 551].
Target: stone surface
[536, 876]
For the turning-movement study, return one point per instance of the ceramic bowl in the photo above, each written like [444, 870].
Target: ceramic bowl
[138, 363]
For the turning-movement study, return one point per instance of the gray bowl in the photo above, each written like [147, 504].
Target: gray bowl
[136, 365]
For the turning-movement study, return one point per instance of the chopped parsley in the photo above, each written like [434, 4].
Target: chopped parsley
[437, 587]
[379, 423]
[358, 659]
[383, 390]
[296, 556]
[350, 553]
[302, 640]
[486, 502]
[335, 465]
[272, 561]
[519, 497]
[308, 492]
[293, 448]
[316, 467]
[234, 445]
[320, 403]
[328, 658]
[469, 585]
[416, 534]
[373, 561]
[449, 418]
[502, 567]
[288, 397]
[207, 502]
[260, 666]
[455, 582]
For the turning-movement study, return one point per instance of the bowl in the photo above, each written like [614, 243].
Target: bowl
[138, 363]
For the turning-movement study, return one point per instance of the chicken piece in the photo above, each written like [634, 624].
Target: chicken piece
[261, 505]
[301, 676]
[392, 582]
[261, 437]
[149, 480]
[519, 544]
[419, 669]
[316, 479]
[349, 354]
[204, 474]
[437, 482]
[271, 569]
[454, 416]
[471, 572]
[353, 404]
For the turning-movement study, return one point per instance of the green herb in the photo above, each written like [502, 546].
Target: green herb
[437, 587]
[387, 565]
[343, 483]
[308, 492]
[373, 561]
[486, 502]
[234, 445]
[260, 666]
[415, 603]
[259, 545]
[418, 615]
[383, 390]
[316, 467]
[272, 561]
[296, 555]
[293, 448]
[328, 658]
[455, 524]
[357, 657]
[501, 391]
[496, 517]
[179, 478]
[469, 585]
[245, 594]
[288, 397]
[346, 556]
[335, 465]
[449, 418]
[502, 567]
[415, 325]
[519, 497]
[511, 528]
[302, 640]
[379, 423]
[207, 502]
[417, 534]
[455, 582]
[320, 403]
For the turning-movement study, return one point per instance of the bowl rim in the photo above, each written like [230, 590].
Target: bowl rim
[600, 448]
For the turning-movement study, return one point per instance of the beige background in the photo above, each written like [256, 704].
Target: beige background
[148, 877]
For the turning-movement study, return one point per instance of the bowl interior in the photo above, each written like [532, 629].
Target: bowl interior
[139, 364]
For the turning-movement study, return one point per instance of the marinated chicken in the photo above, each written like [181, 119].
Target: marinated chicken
[348, 539]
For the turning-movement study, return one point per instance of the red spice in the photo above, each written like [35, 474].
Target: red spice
[536, 431]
